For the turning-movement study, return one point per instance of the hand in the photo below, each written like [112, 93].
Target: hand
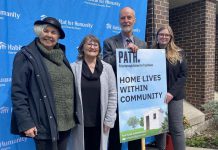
[106, 129]
[169, 97]
[31, 132]
[133, 47]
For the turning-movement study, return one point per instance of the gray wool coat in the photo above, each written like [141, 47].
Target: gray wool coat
[108, 104]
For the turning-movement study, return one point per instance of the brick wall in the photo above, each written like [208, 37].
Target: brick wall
[156, 16]
[216, 57]
[194, 29]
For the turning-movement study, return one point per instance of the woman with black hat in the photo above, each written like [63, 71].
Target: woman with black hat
[43, 97]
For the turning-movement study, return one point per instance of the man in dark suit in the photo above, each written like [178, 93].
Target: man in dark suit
[125, 39]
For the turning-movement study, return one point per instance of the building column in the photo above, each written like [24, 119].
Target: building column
[157, 15]
[216, 56]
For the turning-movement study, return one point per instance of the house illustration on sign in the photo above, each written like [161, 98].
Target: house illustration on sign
[153, 119]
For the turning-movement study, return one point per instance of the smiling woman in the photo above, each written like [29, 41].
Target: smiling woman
[49, 37]
[88, 45]
[176, 68]
[48, 33]
[97, 96]
[42, 89]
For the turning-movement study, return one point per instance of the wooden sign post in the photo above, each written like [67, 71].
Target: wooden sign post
[143, 144]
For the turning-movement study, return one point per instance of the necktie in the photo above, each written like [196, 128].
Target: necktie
[128, 41]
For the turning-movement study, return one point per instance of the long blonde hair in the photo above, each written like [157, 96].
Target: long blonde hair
[173, 55]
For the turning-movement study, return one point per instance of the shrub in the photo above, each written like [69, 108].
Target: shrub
[212, 108]
[199, 141]
[186, 123]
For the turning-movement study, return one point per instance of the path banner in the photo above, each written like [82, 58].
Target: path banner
[142, 87]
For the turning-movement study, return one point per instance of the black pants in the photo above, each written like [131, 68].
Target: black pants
[92, 136]
[134, 145]
[60, 144]
[114, 139]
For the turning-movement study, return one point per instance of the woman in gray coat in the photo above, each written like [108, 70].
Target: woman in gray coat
[97, 96]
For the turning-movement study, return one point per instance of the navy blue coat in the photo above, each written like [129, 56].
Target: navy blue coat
[32, 95]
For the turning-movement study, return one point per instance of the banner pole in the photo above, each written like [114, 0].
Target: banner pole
[143, 144]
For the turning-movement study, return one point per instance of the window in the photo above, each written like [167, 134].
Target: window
[154, 116]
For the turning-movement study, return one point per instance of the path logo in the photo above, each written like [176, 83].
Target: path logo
[4, 110]
[3, 45]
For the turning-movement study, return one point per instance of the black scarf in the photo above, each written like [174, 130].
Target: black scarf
[86, 72]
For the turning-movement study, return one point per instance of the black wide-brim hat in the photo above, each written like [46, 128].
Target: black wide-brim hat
[53, 22]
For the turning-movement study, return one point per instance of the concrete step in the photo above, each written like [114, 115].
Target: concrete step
[196, 129]
[193, 115]
[196, 118]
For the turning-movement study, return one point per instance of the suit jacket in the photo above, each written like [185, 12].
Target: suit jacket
[111, 44]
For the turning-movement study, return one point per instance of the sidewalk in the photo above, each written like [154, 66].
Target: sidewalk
[187, 148]
[194, 148]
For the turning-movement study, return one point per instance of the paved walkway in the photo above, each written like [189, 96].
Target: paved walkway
[187, 148]
[194, 148]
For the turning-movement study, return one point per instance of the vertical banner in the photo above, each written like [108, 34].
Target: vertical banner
[77, 17]
[142, 88]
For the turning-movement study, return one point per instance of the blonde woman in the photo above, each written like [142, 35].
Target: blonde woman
[176, 78]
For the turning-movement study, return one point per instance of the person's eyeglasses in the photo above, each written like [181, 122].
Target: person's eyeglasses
[164, 35]
[95, 45]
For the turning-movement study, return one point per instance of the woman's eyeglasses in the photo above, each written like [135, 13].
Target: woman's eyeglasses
[164, 35]
[95, 45]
